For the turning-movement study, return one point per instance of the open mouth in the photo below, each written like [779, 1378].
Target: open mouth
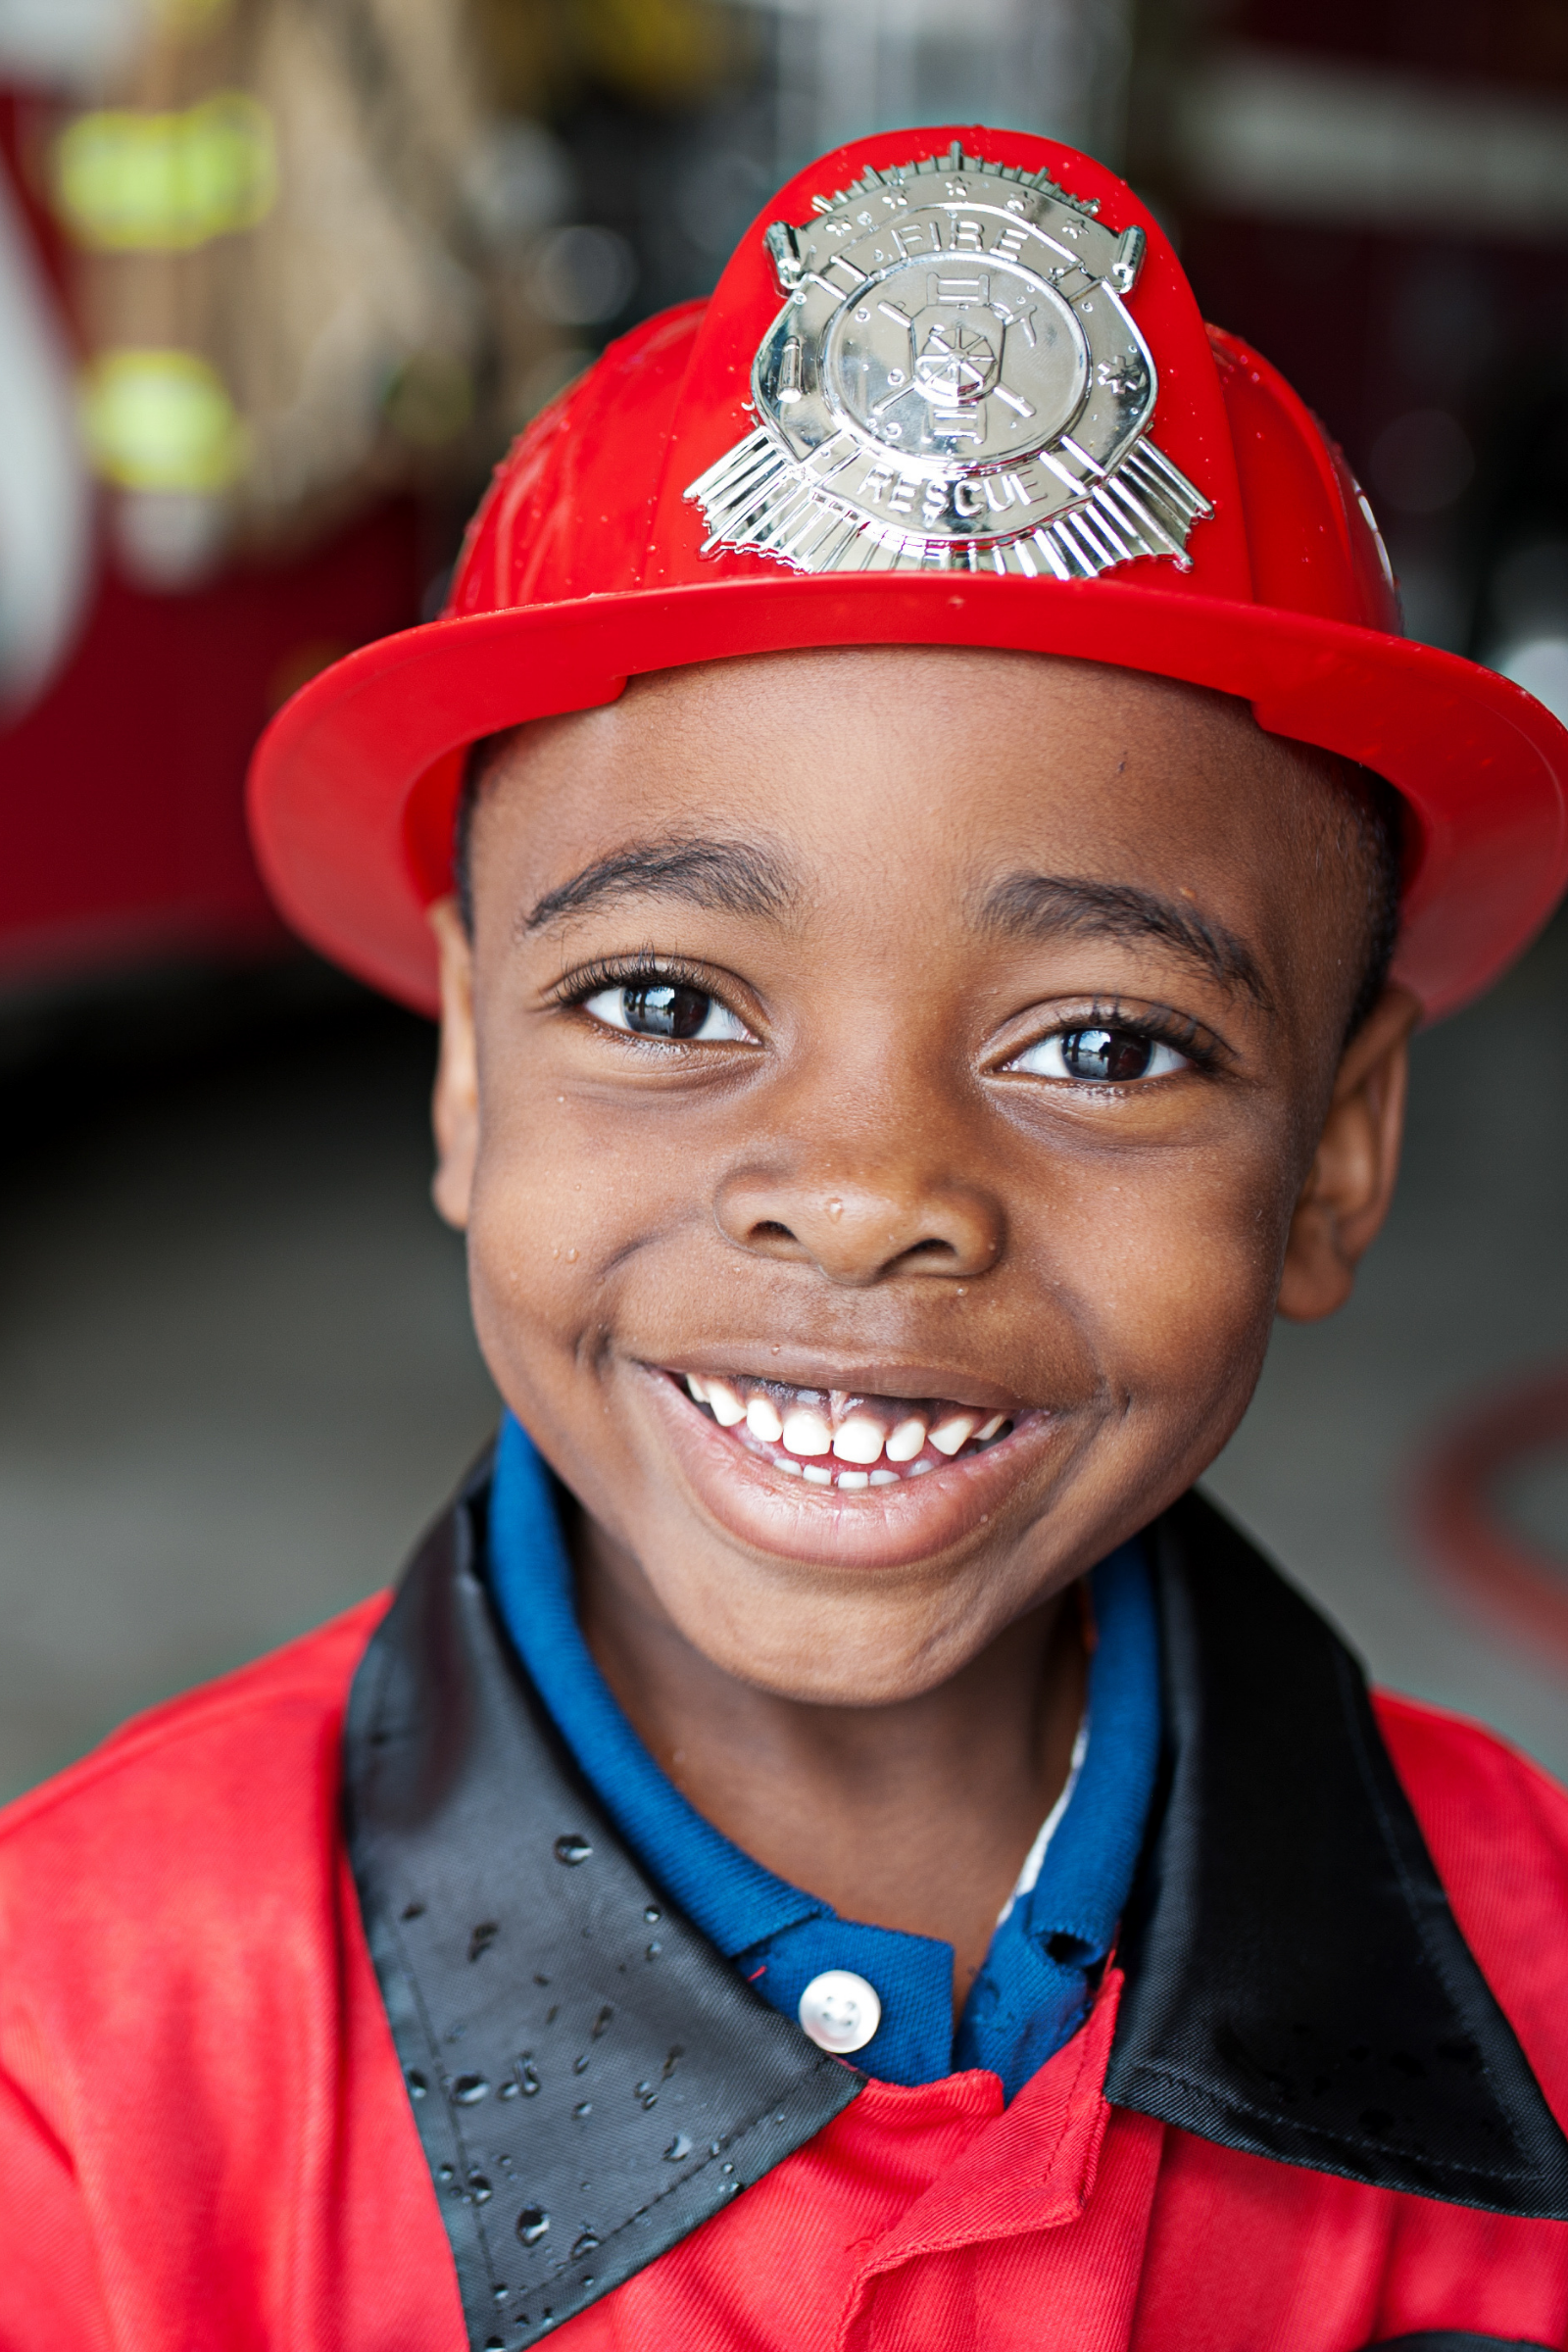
[834, 1438]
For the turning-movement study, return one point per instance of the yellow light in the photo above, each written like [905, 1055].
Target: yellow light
[162, 421]
[166, 182]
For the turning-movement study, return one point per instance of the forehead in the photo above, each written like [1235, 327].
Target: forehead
[903, 774]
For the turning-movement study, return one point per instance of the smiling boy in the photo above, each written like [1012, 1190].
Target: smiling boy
[834, 1842]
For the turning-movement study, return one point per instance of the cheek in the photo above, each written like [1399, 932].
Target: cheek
[1170, 1268]
[568, 1208]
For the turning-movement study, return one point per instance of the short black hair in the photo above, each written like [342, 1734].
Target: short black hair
[1376, 808]
[1380, 821]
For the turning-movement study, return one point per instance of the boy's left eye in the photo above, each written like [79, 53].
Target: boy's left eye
[670, 1009]
[1096, 1056]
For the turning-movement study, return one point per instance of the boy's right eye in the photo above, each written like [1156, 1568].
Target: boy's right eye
[667, 1010]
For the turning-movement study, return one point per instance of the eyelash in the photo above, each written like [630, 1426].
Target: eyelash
[1156, 1024]
[638, 971]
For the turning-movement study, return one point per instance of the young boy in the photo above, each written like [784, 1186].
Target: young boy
[833, 1844]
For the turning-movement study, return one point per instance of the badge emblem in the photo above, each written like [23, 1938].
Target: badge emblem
[955, 382]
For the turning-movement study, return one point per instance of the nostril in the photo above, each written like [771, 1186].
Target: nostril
[770, 1230]
[931, 1249]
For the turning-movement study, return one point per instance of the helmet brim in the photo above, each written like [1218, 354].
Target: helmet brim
[353, 786]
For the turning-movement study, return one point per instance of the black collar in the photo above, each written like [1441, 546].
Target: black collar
[576, 2050]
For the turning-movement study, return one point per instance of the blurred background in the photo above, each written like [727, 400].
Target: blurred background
[280, 279]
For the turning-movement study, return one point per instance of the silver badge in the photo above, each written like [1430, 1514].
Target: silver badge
[955, 382]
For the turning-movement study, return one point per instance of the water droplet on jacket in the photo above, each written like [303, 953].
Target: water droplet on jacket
[584, 2245]
[729, 2168]
[532, 2223]
[418, 2086]
[481, 2188]
[541, 1979]
[601, 2022]
[653, 1915]
[552, 2013]
[528, 2079]
[654, 1950]
[579, 2066]
[583, 2107]
[501, 2293]
[495, 2343]
[507, 2090]
[713, 2147]
[468, 2089]
[678, 2147]
[414, 1910]
[572, 1849]
[673, 2053]
[652, 2099]
[444, 2172]
[483, 1937]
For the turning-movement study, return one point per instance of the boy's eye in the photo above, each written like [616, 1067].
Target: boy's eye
[666, 1009]
[1099, 1056]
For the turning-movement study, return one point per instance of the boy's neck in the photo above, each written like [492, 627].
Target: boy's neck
[916, 1816]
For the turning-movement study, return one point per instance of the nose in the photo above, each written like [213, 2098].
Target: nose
[864, 1227]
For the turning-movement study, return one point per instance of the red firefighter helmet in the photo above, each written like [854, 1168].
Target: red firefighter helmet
[953, 389]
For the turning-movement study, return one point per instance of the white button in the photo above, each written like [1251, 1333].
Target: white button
[840, 2011]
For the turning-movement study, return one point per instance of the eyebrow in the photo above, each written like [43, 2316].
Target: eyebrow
[731, 877]
[1045, 906]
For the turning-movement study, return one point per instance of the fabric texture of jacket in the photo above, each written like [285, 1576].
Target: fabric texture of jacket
[334, 2017]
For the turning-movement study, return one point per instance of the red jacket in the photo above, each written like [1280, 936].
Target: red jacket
[205, 2139]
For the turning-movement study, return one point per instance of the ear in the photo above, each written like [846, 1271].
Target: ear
[454, 1103]
[1351, 1184]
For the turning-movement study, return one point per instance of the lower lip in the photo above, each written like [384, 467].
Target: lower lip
[876, 1526]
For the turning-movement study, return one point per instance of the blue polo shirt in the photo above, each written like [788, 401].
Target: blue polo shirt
[1053, 1934]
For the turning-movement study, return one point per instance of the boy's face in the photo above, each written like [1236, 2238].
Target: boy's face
[933, 1049]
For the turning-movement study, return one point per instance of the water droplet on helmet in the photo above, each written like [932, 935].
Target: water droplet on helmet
[532, 2223]
[418, 2086]
[468, 2089]
[584, 2245]
[679, 2147]
[572, 1849]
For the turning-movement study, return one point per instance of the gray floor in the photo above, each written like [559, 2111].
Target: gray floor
[236, 1373]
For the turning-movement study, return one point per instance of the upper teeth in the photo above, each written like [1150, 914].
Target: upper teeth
[854, 1432]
